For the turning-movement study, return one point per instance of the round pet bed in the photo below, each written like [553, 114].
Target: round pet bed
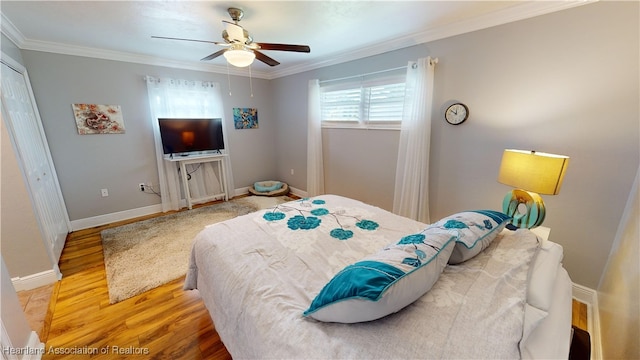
[269, 188]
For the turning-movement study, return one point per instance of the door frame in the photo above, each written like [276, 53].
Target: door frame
[13, 64]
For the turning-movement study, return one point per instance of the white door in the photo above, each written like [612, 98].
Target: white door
[22, 119]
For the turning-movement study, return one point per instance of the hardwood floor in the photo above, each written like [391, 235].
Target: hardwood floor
[579, 315]
[164, 323]
[35, 304]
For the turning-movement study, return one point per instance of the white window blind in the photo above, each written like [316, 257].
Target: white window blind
[342, 105]
[384, 102]
[374, 103]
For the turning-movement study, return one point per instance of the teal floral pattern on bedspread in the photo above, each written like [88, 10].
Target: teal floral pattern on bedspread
[300, 222]
[311, 213]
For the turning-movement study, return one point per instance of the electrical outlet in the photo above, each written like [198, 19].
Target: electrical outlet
[104, 192]
[291, 171]
[141, 186]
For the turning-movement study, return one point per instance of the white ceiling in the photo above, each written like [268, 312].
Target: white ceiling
[336, 31]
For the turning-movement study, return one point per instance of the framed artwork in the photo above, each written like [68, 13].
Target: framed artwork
[98, 119]
[245, 118]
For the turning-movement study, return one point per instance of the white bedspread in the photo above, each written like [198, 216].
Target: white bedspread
[257, 277]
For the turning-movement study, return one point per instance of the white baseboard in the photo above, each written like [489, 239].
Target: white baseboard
[33, 281]
[99, 220]
[36, 347]
[589, 297]
[242, 191]
[298, 192]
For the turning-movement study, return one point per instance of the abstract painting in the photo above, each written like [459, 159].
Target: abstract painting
[98, 119]
[245, 118]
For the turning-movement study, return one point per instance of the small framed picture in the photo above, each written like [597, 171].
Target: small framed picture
[98, 119]
[245, 118]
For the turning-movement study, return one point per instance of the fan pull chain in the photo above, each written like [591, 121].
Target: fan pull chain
[250, 81]
[229, 78]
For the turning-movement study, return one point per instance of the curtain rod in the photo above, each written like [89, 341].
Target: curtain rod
[361, 75]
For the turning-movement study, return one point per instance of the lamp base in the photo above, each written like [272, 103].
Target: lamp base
[524, 219]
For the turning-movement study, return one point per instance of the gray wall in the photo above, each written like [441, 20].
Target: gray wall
[619, 290]
[564, 83]
[365, 167]
[119, 162]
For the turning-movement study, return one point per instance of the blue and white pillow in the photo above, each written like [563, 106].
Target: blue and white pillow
[473, 230]
[385, 282]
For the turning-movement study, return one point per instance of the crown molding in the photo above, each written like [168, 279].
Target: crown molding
[519, 11]
[10, 30]
[103, 54]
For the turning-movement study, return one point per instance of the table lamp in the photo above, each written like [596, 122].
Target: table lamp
[531, 173]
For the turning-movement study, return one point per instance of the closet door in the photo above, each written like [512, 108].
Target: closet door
[20, 114]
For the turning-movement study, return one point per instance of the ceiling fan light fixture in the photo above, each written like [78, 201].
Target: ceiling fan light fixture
[239, 56]
[242, 51]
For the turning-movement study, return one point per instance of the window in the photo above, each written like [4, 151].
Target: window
[372, 104]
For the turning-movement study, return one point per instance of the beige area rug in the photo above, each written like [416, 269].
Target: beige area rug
[146, 254]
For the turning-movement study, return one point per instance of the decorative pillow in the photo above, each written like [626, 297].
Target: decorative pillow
[473, 231]
[266, 186]
[385, 282]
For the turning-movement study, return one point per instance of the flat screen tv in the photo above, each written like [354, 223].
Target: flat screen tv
[183, 137]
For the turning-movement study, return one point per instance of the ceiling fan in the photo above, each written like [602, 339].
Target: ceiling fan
[240, 49]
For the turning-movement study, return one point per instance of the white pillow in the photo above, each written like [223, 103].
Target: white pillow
[385, 282]
[532, 318]
[543, 275]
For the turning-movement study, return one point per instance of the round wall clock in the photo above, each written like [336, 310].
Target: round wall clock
[456, 113]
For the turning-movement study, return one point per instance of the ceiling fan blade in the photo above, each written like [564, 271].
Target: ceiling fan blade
[265, 59]
[214, 55]
[172, 38]
[285, 47]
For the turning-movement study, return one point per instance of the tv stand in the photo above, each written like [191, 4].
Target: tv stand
[183, 161]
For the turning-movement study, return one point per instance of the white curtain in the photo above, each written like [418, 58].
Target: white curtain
[411, 196]
[173, 98]
[315, 166]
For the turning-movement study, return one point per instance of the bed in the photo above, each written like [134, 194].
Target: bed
[265, 279]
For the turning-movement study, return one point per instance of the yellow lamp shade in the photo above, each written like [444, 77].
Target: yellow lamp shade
[533, 171]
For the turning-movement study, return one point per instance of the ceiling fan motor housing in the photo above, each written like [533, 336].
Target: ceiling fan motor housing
[235, 13]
